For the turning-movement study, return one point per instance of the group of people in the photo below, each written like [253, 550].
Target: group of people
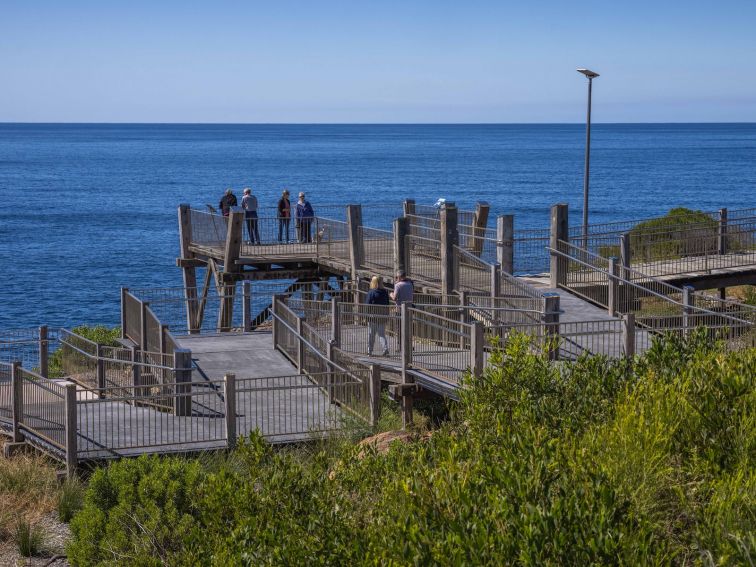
[303, 215]
[378, 295]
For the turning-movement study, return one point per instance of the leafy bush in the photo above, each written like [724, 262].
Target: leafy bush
[595, 462]
[98, 333]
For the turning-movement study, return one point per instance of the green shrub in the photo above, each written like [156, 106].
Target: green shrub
[97, 333]
[589, 463]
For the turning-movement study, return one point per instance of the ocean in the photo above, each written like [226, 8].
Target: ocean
[86, 209]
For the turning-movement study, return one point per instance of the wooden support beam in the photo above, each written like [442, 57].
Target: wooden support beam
[689, 304]
[625, 255]
[233, 242]
[188, 272]
[356, 244]
[559, 231]
[480, 223]
[182, 400]
[505, 242]
[405, 338]
[408, 207]
[247, 306]
[613, 283]
[300, 346]
[449, 239]
[477, 342]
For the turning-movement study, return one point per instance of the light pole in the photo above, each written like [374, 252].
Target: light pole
[591, 75]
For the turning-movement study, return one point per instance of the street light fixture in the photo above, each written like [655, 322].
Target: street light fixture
[591, 75]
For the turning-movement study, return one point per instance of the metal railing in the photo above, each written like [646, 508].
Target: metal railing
[473, 274]
[424, 259]
[378, 249]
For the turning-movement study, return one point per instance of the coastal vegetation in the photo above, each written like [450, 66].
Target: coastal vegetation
[600, 461]
[100, 334]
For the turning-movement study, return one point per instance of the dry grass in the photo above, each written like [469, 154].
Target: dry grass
[28, 492]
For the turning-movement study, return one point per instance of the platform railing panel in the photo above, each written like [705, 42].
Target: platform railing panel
[424, 259]
[441, 345]
[472, 273]
[360, 323]
[44, 408]
[208, 229]
[6, 395]
[379, 249]
[332, 240]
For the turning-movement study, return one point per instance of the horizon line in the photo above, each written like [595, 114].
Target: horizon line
[593, 123]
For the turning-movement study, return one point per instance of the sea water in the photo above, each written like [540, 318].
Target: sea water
[86, 209]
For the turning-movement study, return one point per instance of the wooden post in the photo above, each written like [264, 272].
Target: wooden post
[628, 334]
[722, 232]
[375, 394]
[477, 342]
[356, 244]
[124, 333]
[479, 223]
[613, 286]
[182, 401]
[100, 371]
[44, 350]
[335, 322]
[406, 338]
[505, 242]
[300, 346]
[449, 239]
[231, 254]
[550, 319]
[143, 324]
[189, 272]
[409, 207]
[689, 304]
[401, 256]
[229, 393]
[625, 255]
[70, 429]
[495, 280]
[276, 299]
[17, 393]
[559, 232]
[247, 305]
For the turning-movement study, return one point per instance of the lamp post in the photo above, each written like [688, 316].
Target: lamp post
[591, 75]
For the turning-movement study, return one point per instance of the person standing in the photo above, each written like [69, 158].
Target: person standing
[227, 201]
[284, 215]
[305, 214]
[404, 291]
[377, 297]
[249, 204]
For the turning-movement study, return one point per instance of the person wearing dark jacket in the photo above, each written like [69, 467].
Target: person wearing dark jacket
[305, 214]
[284, 216]
[379, 298]
[227, 201]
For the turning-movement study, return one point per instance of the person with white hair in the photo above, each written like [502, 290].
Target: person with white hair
[249, 204]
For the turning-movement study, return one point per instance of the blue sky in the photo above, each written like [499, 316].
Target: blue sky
[379, 61]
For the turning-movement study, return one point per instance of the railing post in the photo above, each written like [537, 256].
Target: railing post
[17, 392]
[335, 322]
[550, 318]
[276, 337]
[356, 245]
[495, 280]
[401, 258]
[559, 232]
[229, 394]
[477, 342]
[44, 351]
[479, 227]
[143, 324]
[124, 291]
[613, 286]
[505, 242]
[722, 232]
[247, 305]
[70, 429]
[100, 371]
[449, 239]
[300, 345]
[689, 304]
[625, 254]
[375, 394]
[409, 207]
[628, 334]
[182, 363]
[406, 338]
